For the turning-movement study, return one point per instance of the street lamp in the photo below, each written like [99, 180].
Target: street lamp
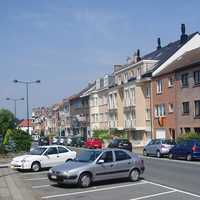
[27, 103]
[15, 102]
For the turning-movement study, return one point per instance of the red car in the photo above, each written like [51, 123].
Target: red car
[93, 143]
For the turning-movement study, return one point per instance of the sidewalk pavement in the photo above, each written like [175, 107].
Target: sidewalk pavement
[12, 186]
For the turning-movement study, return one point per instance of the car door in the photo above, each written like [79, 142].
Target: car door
[64, 154]
[123, 164]
[104, 171]
[51, 157]
[149, 147]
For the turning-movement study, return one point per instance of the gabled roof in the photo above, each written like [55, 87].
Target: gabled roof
[24, 123]
[165, 52]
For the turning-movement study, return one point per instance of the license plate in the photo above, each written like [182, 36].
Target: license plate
[53, 177]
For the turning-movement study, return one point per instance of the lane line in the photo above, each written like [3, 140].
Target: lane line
[154, 195]
[35, 179]
[40, 186]
[91, 191]
[172, 188]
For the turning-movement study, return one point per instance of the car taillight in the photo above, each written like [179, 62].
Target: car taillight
[194, 148]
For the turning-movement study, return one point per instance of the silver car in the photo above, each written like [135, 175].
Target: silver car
[158, 147]
[98, 165]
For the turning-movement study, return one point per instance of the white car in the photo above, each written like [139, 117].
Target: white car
[43, 157]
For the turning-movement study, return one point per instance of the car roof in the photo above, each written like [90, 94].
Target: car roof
[47, 146]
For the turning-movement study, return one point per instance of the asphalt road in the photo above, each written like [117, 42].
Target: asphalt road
[178, 174]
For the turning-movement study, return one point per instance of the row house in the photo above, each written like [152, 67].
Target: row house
[80, 113]
[177, 92]
[99, 103]
[136, 94]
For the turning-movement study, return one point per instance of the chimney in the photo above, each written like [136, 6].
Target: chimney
[184, 36]
[159, 44]
[138, 56]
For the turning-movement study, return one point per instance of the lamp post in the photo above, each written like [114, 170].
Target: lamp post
[26, 83]
[15, 103]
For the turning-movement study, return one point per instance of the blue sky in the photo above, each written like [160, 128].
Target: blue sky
[68, 43]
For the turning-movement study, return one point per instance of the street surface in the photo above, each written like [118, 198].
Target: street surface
[163, 180]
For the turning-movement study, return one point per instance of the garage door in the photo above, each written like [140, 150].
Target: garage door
[160, 133]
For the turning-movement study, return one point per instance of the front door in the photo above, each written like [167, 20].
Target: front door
[51, 157]
[104, 170]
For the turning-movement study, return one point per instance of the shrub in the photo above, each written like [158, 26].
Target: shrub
[188, 136]
[22, 140]
[101, 134]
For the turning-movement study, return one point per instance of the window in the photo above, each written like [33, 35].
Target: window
[62, 150]
[197, 77]
[171, 108]
[160, 110]
[52, 150]
[159, 86]
[148, 114]
[184, 80]
[187, 129]
[148, 91]
[197, 108]
[170, 82]
[107, 157]
[121, 155]
[186, 109]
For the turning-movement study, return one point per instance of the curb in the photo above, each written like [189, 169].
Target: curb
[5, 165]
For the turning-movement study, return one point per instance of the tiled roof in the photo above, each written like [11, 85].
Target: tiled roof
[24, 123]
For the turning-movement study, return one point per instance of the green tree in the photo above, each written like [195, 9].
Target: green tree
[7, 121]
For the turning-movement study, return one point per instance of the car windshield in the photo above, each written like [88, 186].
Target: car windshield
[37, 151]
[87, 156]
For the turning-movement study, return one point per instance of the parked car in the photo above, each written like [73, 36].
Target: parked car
[93, 143]
[187, 149]
[77, 141]
[43, 157]
[62, 140]
[35, 137]
[55, 140]
[121, 144]
[43, 141]
[97, 165]
[158, 147]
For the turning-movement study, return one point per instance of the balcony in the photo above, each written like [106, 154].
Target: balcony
[130, 124]
[129, 108]
[112, 124]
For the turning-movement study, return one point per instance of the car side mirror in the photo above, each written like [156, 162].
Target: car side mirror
[101, 161]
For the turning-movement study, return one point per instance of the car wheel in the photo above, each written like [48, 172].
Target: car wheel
[158, 154]
[134, 175]
[68, 160]
[145, 153]
[189, 157]
[84, 180]
[171, 156]
[35, 166]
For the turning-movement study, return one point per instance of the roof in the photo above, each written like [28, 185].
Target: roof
[165, 52]
[188, 59]
[24, 123]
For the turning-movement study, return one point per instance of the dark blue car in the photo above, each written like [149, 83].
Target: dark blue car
[186, 149]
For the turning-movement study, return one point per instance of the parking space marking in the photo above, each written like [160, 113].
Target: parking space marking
[175, 189]
[40, 186]
[154, 195]
[35, 179]
[91, 191]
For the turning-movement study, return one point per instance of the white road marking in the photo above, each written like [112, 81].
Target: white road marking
[40, 186]
[91, 191]
[174, 189]
[169, 160]
[154, 195]
[35, 179]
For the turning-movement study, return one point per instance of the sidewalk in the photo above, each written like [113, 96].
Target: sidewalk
[12, 186]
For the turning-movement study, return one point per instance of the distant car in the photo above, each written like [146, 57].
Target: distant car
[77, 141]
[35, 137]
[187, 149]
[97, 165]
[62, 140]
[121, 144]
[55, 140]
[158, 147]
[43, 157]
[93, 143]
[43, 141]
